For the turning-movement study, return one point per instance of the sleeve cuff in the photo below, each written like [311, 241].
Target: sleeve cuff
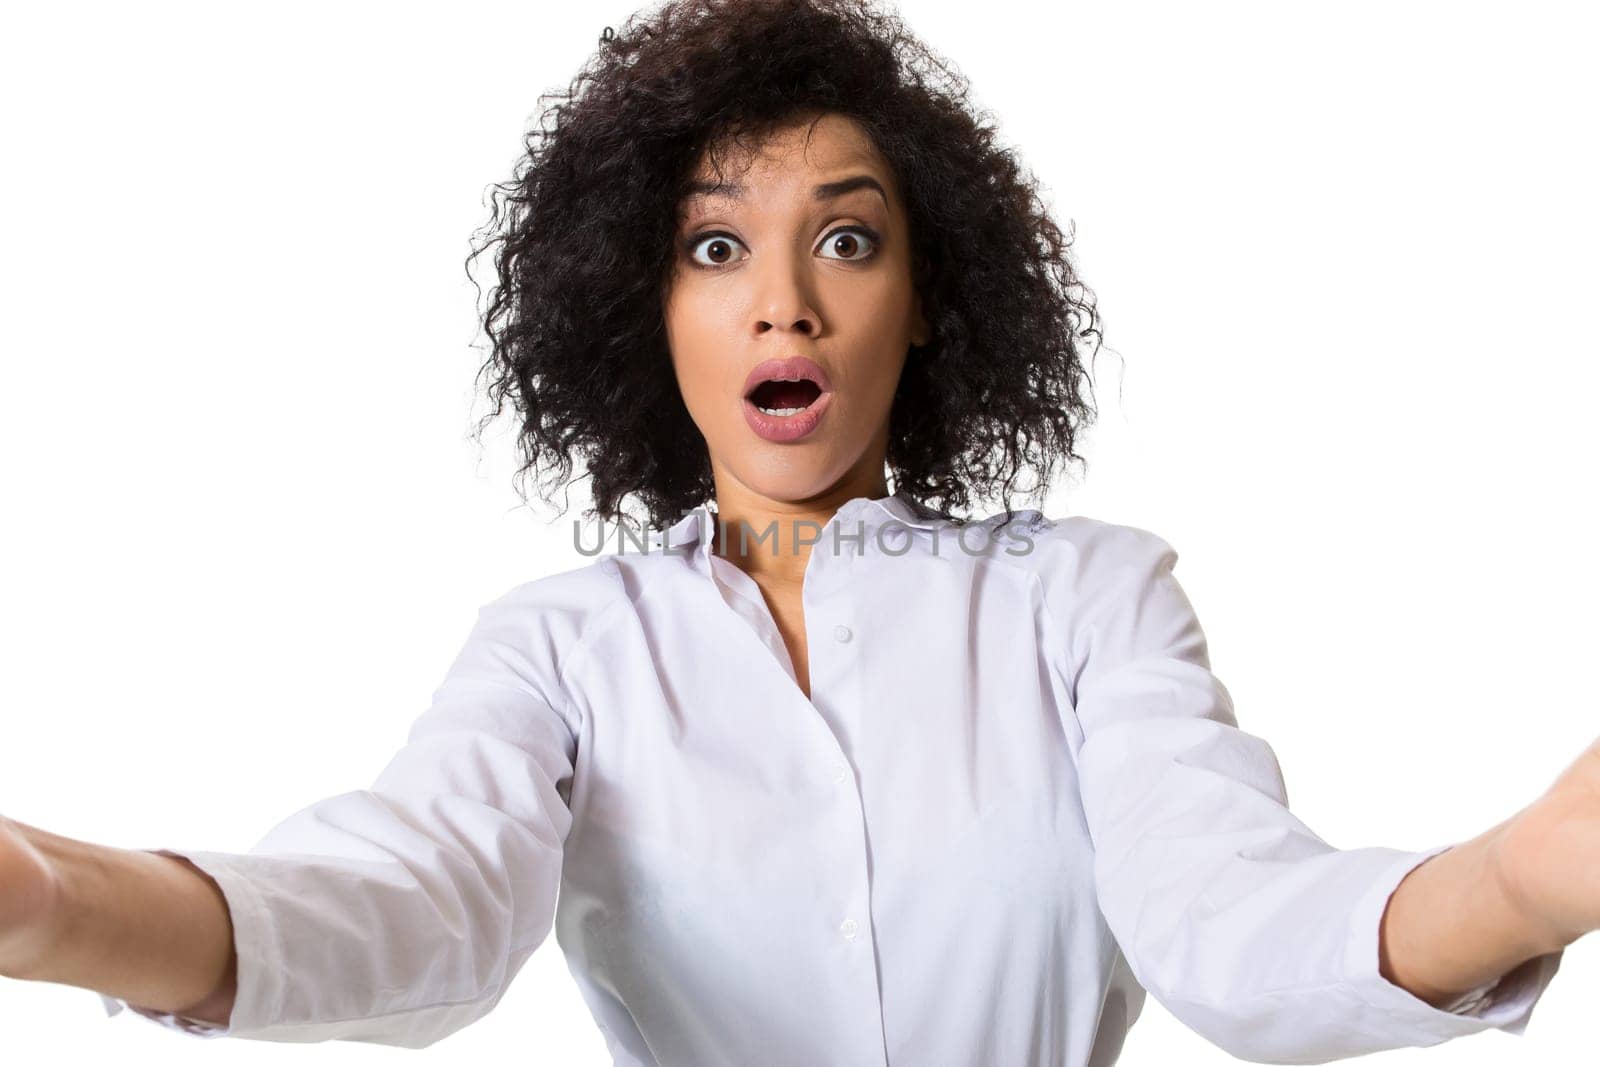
[1504, 1004]
[1472, 1001]
[197, 1027]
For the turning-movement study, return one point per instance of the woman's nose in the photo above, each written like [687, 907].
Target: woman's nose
[784, 300]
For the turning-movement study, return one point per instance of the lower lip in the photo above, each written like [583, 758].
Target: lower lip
[785, 428]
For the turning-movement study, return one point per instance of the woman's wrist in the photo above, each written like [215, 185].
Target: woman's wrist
[30, 898]
[1517, 855]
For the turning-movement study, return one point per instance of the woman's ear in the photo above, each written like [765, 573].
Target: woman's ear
[921, 334]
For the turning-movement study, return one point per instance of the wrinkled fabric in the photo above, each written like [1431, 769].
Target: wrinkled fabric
[1016, 799]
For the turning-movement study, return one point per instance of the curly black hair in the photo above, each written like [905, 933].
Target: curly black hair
[584, 236]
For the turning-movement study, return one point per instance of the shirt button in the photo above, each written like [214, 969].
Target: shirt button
[840, 773]
[848, 929]
[841, 633]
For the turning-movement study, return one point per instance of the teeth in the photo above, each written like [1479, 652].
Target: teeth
[784, 412]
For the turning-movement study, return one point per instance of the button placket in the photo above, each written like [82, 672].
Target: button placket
[841, 634]
[832, 680]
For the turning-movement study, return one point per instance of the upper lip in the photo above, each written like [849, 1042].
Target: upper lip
[792, 367]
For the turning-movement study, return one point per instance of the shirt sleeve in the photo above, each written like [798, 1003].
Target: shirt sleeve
[1247, 926]
[400, 913]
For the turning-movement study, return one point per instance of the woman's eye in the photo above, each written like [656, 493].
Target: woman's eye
[848, 240]
[852, 243]
[718, 245]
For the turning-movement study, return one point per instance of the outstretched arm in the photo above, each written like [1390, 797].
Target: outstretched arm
[1252, 930]
[395, 914]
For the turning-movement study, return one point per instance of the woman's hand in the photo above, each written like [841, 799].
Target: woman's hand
[1549, 854]
[28, 895]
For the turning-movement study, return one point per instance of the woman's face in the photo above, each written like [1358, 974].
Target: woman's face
[785, 268]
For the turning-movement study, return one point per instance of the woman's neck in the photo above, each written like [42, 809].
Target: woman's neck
[778, 535]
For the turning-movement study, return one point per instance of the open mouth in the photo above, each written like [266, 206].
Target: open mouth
[785, 398]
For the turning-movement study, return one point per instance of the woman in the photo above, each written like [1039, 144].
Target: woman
[872, 783]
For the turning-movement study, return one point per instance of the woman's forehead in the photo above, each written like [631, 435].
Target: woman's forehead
[823, 161]
[828, 144]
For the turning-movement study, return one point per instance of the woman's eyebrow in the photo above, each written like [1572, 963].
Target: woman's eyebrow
[825, 191]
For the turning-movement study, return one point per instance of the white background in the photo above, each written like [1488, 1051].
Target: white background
[1347, 260]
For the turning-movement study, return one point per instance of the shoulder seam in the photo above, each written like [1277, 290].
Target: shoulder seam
[592, 627]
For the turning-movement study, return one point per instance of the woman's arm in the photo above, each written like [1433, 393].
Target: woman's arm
[395, 914]
[1528, 887]
[1253, 931]
[149, 928]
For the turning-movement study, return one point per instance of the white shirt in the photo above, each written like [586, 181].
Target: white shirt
[1016, 799]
